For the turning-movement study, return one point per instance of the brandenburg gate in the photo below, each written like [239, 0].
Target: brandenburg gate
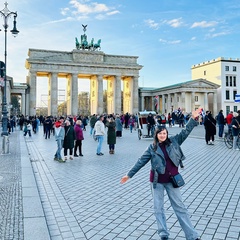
[84, 63]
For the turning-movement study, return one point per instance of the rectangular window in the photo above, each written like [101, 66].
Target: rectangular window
[230, 82]
[227, 95]
[235, 108]
[234, 94]
[196, 98]
[205, 73]
[234, 81]
[234, 68]
[227, 109]
[226, 81]
[227, 68]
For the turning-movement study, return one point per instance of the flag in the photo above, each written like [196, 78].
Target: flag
[237, 98]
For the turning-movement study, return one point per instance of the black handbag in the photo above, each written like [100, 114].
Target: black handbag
[177, 180]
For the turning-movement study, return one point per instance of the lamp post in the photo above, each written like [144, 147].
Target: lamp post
[5, 13]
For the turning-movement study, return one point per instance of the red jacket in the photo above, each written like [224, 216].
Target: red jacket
[229, 118]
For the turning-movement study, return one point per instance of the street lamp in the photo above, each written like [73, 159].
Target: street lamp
[5, 13]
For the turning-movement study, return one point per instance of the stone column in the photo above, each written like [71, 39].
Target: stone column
[23, 104]
[53, 94]
[215, 110]
[192, 101]
[206, 107]
[72, 94]
[33, 93]
[163, 103]
[175, 102]
[134, 97]
[169, 104]
[183, 101]
[99, 94]
[142, 103]
[118, 93]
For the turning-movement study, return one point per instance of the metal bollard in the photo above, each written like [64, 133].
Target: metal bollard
[5, 145]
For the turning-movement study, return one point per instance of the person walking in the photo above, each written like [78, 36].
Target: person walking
[100, 132]
[59, 137]
[235, 131]
[210, 128]
[111, 134]
[220, 122]
[79, 137]
[166, 155]
[131, 123]
[28, 129]
[68, 142]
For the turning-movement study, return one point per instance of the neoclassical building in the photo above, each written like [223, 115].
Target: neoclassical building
[94, 65]
[187, 95]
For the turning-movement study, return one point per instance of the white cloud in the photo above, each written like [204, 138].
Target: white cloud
[169, 42]
[177, 22]
[113, 13]
[204, 24]
[84, 8]
[152, 24]
[216, 34]
[193, 38]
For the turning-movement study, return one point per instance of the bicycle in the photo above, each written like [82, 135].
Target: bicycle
[228, 139]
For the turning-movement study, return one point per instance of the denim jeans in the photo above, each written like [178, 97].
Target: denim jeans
[59, 149]
[91, 130]
[180, 210]
[220, 128]
[100, 141]
[235, 142]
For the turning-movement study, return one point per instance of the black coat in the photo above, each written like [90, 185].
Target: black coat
[69, 138]
[210, 125]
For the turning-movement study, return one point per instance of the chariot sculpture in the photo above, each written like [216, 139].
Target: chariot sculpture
[84, 45]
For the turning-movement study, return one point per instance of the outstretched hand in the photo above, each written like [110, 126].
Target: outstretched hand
[196, 113]
[124, 179]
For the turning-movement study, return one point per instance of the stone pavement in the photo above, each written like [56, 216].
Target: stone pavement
[83, 198]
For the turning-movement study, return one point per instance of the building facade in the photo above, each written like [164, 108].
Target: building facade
[226, 73]
[188, 96]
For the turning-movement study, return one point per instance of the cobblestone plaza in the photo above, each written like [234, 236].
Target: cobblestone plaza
[83, 198]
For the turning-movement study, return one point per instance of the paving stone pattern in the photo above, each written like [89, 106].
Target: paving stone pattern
[11, 212]
[83, 198]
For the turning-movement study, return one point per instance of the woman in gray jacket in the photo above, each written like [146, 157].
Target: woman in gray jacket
[166, 155]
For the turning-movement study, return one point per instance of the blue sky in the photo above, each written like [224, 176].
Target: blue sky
[169, 36]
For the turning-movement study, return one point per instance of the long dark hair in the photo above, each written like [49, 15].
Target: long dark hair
[155, 138]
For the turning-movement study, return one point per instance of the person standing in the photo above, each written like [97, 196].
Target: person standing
[220, 122]
[48, 127]
[210, 128]
[79, 137]
[150, 123]
[93, 120]
[229, 118]
[68, 142]
[119, 126]
[59, 137]
[111, 134]
[100, 132]
[235, 131]
[166, 155]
